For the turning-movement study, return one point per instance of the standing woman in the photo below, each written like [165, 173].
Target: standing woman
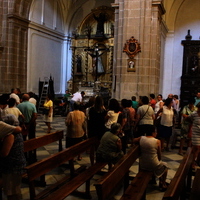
[176, 103]
[96, 123]
[76, 126]
[166, 123]
[12, 158]
[48, 116]
[152, 101]
[195, 119]
[159, 103]
[186, 126]
[145, 117]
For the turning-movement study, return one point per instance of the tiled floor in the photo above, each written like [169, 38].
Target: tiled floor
[172, 158]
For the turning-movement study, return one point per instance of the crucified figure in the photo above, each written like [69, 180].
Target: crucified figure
[96, 56]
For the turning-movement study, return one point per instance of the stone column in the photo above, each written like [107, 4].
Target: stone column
[14, 54]
[141, 19]
[13, 44]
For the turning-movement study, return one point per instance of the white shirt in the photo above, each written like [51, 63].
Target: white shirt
[167, 116]
[157, 106]
[113, 117]
[16, 97]
[33, 101]
[77, 97]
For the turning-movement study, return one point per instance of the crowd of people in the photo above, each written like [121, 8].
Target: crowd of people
[149, 122]
[17, 123]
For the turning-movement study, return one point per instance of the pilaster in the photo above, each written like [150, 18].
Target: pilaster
[14, 53]
[143, 20]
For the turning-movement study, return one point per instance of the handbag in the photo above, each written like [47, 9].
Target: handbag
[157, 121]
[135, 129]
[45, 111]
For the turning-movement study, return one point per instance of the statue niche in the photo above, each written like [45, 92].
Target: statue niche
[78, 64]
[101, 19]
[92, 49]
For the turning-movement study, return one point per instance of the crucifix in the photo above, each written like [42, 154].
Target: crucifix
[95, 53]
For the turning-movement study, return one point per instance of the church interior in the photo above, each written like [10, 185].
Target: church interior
[117, 48]
[139, 47]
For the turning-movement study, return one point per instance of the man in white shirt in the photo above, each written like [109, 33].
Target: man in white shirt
[15, 96]
[32, 98]
[77, 97]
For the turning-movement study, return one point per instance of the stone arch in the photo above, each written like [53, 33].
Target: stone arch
[172, 14]
[178, 22]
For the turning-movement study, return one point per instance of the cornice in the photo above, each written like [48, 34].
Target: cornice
[160, 6]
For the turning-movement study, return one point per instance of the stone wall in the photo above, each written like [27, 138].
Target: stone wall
[141, 19]
[13, 45]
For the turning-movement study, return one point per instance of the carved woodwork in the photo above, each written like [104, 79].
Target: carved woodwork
[132, 47]
[85, 38]
[190, 79]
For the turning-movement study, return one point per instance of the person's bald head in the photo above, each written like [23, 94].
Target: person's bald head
[25, 97]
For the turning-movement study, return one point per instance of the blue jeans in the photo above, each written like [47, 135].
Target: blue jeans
[71, 105]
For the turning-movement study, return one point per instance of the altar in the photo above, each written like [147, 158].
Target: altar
[92, 53]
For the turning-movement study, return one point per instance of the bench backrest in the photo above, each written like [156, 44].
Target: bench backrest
[32, 144]
[195, 193]
[116, 174]
[45, 165]
[177, 183]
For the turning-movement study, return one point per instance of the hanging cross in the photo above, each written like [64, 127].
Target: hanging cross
[94, 53]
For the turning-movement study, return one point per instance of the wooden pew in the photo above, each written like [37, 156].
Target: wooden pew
[195, 192]
[1, 186]
[43, 166]
[33, 144]
[106, 186]
[137, 188]
[30, 145]
[72, 185]
[178, 185]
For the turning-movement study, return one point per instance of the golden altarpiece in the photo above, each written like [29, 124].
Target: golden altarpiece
[92, 53]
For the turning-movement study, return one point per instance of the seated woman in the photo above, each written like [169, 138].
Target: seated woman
[150, 158]
[110, 146]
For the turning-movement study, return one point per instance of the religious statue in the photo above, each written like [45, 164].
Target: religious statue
[100, 68]
[100, 24]
[131, 64]
[95, 53]
[78, 64]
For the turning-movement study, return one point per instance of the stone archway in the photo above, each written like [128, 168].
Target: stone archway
[172, 12]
